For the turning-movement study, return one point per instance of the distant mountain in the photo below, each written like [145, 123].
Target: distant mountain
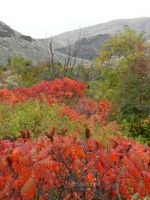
[88, 46]
[93, 37]
[13, 43]
[90, 40]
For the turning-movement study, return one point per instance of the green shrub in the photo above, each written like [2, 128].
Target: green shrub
[39, 118]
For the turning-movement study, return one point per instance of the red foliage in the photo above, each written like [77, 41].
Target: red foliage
[69, 92]
[72, 114]
[70, 168]
[59, 88]
[98, 110]
[74, 169]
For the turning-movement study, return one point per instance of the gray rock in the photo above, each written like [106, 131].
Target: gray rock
[13, 43]
[93, 37]
[88, 47]
[26, 37]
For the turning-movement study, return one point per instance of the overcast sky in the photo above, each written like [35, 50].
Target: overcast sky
[44, 18]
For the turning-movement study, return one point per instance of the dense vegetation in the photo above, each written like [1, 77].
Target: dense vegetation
[67, 139]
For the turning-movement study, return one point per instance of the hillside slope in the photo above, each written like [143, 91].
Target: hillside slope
[90, 39]
[13, 43]
[96, 35]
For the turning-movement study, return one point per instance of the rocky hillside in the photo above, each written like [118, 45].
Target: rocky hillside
[89, 39]
[88, 47]
[92, 38]
[13, 43]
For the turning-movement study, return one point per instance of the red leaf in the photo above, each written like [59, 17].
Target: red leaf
[114, 156]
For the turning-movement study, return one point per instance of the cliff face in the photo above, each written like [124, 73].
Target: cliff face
[90, 40]
[13, 43]
[6, 31]
[93, 37]
[88, 47]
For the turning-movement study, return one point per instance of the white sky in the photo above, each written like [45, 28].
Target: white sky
[44, 18]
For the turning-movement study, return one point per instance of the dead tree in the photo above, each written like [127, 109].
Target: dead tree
[69, 59]
[52, 64]
[72, 53]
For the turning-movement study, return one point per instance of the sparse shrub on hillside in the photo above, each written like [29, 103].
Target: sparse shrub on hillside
[18, 62]
[21, 68]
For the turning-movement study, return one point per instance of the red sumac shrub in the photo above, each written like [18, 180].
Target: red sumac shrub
[98, 110]
[66, 168]
[59, 88]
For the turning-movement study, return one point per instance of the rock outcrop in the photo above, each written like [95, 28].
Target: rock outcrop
[13, 43]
